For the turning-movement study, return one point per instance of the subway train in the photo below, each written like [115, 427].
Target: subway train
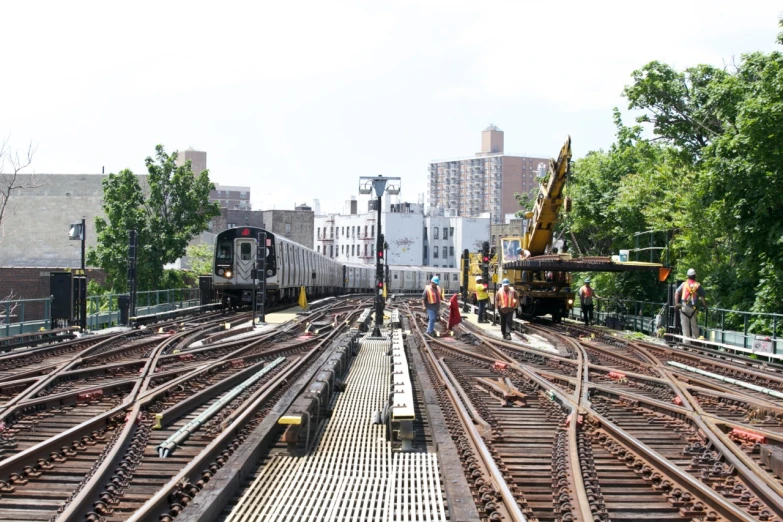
[290, 266]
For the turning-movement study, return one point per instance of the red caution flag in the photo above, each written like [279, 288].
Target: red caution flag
[454, 317]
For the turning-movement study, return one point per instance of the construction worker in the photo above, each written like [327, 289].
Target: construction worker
[586, 295]
[482, 296]
[506, 303]
[686, 298]
[432, 297]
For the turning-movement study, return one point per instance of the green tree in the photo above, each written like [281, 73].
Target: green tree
[174, 210]
[201, 258]
[728, 199]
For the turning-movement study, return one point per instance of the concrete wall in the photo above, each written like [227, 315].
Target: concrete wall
[35, 226]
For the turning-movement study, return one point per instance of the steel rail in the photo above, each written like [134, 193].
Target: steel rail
[81, 505]
[762, 484]
[157, 506]
[509, 501]
[730, 380]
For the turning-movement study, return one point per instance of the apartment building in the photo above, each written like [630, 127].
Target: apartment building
[485, 182]
[412, 237]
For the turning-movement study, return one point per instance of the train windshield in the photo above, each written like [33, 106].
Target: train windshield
[224, 252]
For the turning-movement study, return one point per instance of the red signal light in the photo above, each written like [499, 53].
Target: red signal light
[245, 232]
[380, 285]
[486, 259]
[380, 253]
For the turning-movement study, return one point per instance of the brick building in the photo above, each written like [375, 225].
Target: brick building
[483, 183]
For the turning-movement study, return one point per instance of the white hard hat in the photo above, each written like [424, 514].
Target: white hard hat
[478, 278]
[691, 272]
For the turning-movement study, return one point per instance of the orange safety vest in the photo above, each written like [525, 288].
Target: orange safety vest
[690, 292]
[506, 299]
[433, 295]
[586, 294]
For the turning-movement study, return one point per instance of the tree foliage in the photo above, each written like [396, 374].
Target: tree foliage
[173, 210]
[201, 258]
[712, 174]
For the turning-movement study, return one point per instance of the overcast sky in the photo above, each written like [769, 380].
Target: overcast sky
[299, 99]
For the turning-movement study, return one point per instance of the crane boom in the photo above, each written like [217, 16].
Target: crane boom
[541, 221]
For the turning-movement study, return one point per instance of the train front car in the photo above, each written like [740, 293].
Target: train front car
[235, 260]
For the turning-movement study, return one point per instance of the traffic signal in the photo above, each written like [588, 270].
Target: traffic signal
[485, 261]
[380, 250]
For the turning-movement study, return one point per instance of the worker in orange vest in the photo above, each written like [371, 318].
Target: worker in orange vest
[506, 303]
[586, 296]
[432, 298]
[687, 298]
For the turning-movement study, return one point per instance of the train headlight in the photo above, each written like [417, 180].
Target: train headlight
[228, 274]
[570, 301]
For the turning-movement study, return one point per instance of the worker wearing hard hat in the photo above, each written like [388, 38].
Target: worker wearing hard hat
[506, 302]
[482, 297]
[432, 297]
[586, 296]
[687, 298]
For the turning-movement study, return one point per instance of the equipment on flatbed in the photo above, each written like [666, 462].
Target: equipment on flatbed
[538, 272]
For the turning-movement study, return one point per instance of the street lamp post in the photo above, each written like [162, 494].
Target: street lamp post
[379, 184]
[78, 232]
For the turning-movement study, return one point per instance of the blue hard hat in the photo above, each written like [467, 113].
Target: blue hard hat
[436, 280]
[519, 250]
[505, 282]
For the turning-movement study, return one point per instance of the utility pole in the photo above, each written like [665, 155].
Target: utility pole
[366, 186]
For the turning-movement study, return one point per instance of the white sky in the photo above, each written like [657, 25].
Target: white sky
[299, 99]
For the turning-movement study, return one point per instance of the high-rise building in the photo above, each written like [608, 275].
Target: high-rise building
[228, 197]
[483, 183]
[198, 159]
[233, 198]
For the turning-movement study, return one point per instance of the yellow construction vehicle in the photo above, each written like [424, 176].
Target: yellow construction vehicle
[545, 291]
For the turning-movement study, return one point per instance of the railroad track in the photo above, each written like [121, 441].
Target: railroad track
[590, 427]
[643, 448]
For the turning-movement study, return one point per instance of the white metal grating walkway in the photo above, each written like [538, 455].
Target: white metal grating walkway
[352, 474]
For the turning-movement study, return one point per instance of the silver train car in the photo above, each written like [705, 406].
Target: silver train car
[290, 266]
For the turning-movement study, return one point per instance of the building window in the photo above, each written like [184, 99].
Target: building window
[451, 251]
[451, 231]
[243, 195]
[365, 231]
[288, 228]
[425, 232]
[331, 232]
[372, 231]
[435, 252]
[232, 225]
[319, 249]
[318, 234]
[352, 250]
[331, 250]
[337, 233]
[365, 249]
[425, 250]
[445, 233]
[435, 233]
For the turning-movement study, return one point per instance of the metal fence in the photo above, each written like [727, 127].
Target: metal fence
[759, 332]
[24, 315]
[30, 315]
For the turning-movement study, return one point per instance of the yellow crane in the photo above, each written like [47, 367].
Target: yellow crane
[542, 219]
